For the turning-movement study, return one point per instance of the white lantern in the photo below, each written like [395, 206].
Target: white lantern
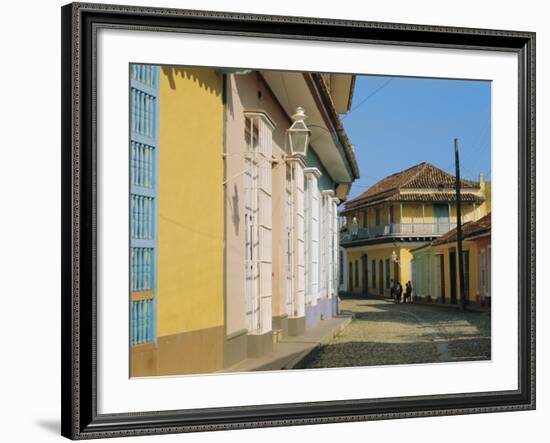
[394, 257]
[298, 134]
[354, 227]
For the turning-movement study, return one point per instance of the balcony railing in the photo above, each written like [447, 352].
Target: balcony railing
[399, 230]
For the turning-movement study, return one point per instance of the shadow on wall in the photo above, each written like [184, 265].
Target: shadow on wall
[236, 218]
[196, 75]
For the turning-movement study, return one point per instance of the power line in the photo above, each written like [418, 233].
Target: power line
[356, 107]
[376, 91]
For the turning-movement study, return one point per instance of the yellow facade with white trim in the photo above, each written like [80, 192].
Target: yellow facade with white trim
[190, 263]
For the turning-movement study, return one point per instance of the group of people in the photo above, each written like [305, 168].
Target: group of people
[396, 292]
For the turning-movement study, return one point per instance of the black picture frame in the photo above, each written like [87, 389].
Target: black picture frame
[80, 22]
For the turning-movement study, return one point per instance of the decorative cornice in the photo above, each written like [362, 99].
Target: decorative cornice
[262, 114]
[313, 171]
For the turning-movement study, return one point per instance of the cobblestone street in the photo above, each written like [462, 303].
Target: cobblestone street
[384, 333]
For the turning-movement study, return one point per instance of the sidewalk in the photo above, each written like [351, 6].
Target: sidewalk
[291, 350]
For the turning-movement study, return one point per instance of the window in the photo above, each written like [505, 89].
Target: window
[377, 216]
[356, 273]
[373, 273]
[289, 227]
[392, 220]
[312, 232]
[251, 133]
[308, 240]
[143, 201]
[257, 221]
[323, 262]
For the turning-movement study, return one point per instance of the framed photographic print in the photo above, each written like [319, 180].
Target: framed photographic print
[273, 221]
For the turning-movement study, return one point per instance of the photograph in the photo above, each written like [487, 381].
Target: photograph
[292, 220]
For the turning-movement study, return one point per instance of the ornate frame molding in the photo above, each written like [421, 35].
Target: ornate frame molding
[80, 22]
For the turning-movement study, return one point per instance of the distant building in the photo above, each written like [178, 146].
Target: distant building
[435, 265]
[401, 212]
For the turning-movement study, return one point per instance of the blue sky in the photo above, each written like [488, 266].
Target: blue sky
[397, 122]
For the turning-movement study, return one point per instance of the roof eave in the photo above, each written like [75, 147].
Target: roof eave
[324, 94]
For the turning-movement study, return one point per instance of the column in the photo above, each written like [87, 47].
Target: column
[327, 258]
[296, 316]
[298, 237]
[335, 246]
[312, 237]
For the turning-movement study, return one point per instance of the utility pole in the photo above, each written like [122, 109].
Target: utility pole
[459, 229]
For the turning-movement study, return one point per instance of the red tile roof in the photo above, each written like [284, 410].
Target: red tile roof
[468, 197]
[421, 176]
[469, 229]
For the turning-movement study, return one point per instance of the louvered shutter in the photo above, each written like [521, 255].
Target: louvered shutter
[144, 94]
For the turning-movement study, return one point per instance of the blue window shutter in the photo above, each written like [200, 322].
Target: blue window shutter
[144, 119]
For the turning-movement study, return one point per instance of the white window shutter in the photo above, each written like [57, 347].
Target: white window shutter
[258, 215]
[299, 239]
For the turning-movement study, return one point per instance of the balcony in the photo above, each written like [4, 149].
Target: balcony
[399, 230]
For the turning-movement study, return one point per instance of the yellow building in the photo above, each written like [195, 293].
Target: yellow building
[402, 212]
[176, 216]
[435, 266]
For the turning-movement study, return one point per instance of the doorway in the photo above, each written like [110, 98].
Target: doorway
[442, 220]
[350, 277]
[466, 261]
[380, 278]
[365, 268]
[441, 260]
[452, 274]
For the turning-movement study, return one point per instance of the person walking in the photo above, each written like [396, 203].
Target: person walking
[408, 292]
[398, 290]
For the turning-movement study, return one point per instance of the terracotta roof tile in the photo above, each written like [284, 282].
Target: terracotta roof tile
[468, 197]
[421, 176]
[469, 229]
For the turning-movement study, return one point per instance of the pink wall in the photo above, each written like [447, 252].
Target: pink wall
[248, 92]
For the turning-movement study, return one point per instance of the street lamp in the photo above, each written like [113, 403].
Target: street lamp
[354, 227]
[298, 134]
[394, 257]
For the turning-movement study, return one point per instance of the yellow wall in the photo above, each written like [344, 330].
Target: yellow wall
[382, 252]
[405, 258]
[473, 283]
[486, 205]
[412, 212]
[190, 199]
